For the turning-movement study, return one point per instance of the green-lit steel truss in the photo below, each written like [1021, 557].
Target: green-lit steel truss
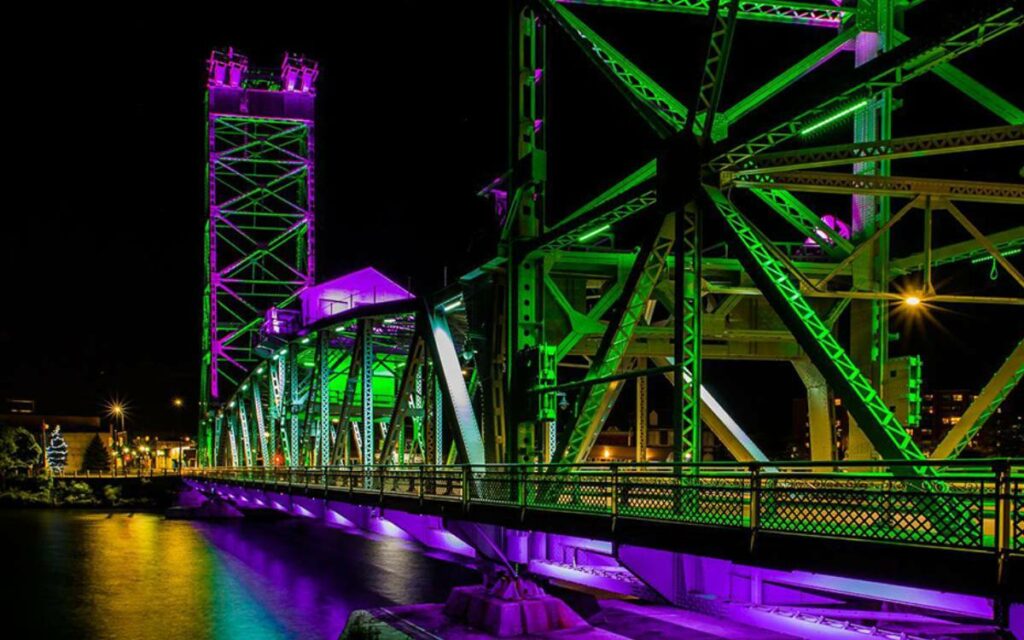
[718, 248]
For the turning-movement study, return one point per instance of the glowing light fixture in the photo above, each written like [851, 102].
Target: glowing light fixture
[912, 301]
[452, 306]
[591, 234]
[835, 116]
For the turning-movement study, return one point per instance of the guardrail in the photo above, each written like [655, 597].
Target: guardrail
[964, 505]
[134, 473]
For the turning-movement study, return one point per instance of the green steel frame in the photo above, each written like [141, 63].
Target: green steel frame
[486, 368]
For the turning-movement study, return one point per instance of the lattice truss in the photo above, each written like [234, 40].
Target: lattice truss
[618, 315]
[524, 359]
[260, 233]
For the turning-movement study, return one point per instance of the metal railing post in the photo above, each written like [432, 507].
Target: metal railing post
[1003, 533]
[521, 486]
[421, 487]
[615, 491]
[466, 473]
[755, 503]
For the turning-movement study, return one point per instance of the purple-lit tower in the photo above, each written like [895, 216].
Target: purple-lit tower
[259, 235]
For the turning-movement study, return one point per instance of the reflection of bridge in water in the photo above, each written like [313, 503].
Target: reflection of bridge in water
[963, 529]
[483, 402]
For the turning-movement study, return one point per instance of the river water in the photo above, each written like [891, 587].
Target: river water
[85, 574]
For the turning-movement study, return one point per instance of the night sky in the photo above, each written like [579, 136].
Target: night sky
[103, 235]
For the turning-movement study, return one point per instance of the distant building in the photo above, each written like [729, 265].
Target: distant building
[940, 411]
[170, 455]
[615, 444]
[78, 431]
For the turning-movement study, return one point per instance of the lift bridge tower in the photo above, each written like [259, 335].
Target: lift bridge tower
[259, 235]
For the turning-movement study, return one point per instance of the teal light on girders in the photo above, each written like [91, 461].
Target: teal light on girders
[452, 306]
[835, 116]
[596, 232]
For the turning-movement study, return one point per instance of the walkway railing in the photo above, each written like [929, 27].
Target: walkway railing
[966, 505]
[129, 473]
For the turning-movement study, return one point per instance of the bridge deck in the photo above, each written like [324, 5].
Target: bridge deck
[968, 508]
[961, 530]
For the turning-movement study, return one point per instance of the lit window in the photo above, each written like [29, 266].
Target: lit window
[958, 397]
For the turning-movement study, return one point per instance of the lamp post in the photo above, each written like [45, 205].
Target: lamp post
[116, 411]
[179, 405]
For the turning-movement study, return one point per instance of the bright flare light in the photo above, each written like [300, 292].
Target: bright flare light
[912, 301]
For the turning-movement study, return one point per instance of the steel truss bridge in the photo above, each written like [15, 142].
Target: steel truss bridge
[494, 390]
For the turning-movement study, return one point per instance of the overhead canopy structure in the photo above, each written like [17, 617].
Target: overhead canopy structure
[359, 288]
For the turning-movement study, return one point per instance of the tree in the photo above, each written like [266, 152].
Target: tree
[57, 451]
[97, 457]
[19, 451]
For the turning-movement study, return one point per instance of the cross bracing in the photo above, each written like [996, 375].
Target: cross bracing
[721, 252]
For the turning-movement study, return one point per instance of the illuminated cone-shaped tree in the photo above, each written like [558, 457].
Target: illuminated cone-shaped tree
[57, 451]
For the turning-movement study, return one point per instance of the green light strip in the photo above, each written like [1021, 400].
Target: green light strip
[590, 234]
[836, 116]
[986, 258]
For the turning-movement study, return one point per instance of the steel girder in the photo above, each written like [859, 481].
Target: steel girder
[829, 182]
[1003, 241]
[369, 436]
[626, 198]
[688, 338]
[810, 225]
[980, 93]
[709, 93]
[293, 403]
[261, 425]
[732, 436]
[897, 148]
[657, 107]
[243, 422]
[449, 371]
[799, 13]
[348, 397]
[403, 401]
[324, 371]
[598, 398]
[983, 406]
[863, 401]
[774, 86]
[950, 29]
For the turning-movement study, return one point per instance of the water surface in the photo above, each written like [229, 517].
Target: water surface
[84, 574]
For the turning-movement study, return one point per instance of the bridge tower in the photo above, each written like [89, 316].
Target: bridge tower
[259, 235]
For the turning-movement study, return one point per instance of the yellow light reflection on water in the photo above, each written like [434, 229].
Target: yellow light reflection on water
[145, 576]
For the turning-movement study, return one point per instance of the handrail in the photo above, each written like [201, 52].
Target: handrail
[987, 495]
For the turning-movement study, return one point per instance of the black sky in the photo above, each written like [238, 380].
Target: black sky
[103, 227]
